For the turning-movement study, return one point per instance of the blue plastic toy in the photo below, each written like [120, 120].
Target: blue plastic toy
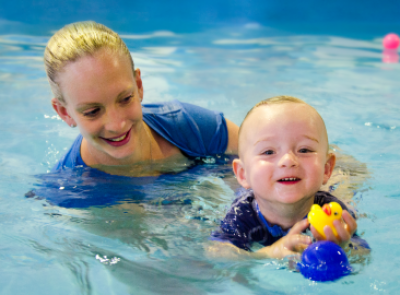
[324, 261]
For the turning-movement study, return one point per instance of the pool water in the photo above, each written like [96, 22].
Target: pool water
[155, 243]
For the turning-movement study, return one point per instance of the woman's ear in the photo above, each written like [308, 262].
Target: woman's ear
[62, 111]
[139, 83]
[329, 165]
[238, 169]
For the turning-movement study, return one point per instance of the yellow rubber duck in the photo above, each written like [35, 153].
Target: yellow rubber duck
[319, 217]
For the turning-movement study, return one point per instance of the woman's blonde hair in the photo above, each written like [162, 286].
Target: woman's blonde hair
[75, 41]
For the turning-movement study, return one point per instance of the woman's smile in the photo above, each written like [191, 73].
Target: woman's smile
[120, 140]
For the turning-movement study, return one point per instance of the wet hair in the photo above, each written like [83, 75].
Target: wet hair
[75, 41]
[281, 99]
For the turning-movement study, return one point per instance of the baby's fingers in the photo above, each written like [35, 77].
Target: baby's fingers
[351, 224]
[299, 227]
[330, 236]
[297, 243]
[316, 234]
[343, 233]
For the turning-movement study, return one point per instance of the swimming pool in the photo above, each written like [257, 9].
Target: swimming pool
[155, 244]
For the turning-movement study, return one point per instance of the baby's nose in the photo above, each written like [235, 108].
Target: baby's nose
[288, 160]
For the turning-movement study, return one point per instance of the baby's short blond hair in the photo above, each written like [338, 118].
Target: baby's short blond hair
[281, 99]
[75, 41]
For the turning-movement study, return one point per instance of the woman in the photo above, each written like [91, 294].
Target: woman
[98, 90]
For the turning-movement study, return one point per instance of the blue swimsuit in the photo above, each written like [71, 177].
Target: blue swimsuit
[196, 131]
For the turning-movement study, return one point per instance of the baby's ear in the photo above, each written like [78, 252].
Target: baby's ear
[329, 165]
[238, 169]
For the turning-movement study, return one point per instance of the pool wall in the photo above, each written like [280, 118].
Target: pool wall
[33, 16]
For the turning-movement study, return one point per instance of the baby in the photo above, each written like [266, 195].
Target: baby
[283, 161]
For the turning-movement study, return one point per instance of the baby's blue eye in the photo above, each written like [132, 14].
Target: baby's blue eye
[303, 151]
[269, 152]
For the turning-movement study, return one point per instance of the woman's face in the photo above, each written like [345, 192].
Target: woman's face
[103, 98]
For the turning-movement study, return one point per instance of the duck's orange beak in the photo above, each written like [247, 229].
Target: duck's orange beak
[327, 209]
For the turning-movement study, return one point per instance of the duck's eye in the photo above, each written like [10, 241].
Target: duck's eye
[336, 213]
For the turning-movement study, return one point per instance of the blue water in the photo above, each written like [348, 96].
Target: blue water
[157, 246]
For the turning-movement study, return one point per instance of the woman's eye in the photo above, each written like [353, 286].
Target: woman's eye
[126, 99]
[92, 113]
[269, 152]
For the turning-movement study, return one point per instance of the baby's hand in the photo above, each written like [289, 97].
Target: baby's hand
[291, 244]
[345, 230]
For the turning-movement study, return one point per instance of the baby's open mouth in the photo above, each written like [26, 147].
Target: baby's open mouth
[288, 179]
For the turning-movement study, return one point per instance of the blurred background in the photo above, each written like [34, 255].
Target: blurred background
[363, 16]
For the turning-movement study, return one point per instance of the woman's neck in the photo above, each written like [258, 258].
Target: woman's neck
[142, 151]
[152, 156]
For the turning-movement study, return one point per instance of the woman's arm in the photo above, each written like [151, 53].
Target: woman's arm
[233, 135]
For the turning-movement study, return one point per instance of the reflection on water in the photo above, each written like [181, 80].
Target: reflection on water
[154, 229]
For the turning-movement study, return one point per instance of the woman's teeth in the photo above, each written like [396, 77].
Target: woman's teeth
[289, 179]
[119, 138]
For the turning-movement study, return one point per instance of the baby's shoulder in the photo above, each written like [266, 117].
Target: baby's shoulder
[243, 198]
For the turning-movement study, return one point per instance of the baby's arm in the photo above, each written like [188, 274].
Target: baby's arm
[291, 244]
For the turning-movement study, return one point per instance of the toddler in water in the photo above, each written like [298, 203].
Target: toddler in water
[283, 161]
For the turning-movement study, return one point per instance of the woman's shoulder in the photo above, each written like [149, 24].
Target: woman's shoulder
[162, 107]
[72, 157]
[195, 130]
[174, 106]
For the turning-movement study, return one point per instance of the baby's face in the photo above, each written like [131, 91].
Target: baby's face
[284, 153]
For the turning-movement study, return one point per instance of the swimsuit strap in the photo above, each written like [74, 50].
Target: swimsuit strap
[274, 230]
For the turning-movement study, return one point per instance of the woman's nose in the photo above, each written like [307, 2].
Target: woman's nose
[288, 160]
[115, 120]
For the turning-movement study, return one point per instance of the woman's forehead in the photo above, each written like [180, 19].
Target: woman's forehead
[96, 75]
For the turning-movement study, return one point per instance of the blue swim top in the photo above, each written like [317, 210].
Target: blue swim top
[196, 131]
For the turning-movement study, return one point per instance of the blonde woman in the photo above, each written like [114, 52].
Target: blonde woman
[97, 89]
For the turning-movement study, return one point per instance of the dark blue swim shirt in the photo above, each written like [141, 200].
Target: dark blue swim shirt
[199, 133]
[244, 225]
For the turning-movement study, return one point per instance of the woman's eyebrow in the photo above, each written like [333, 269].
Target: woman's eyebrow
[80, 107]
[87, 105]
[125, 92]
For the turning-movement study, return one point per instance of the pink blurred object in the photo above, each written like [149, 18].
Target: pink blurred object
[390, 56]
[391, 41]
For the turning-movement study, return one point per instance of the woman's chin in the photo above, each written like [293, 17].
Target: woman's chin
[116, 156]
